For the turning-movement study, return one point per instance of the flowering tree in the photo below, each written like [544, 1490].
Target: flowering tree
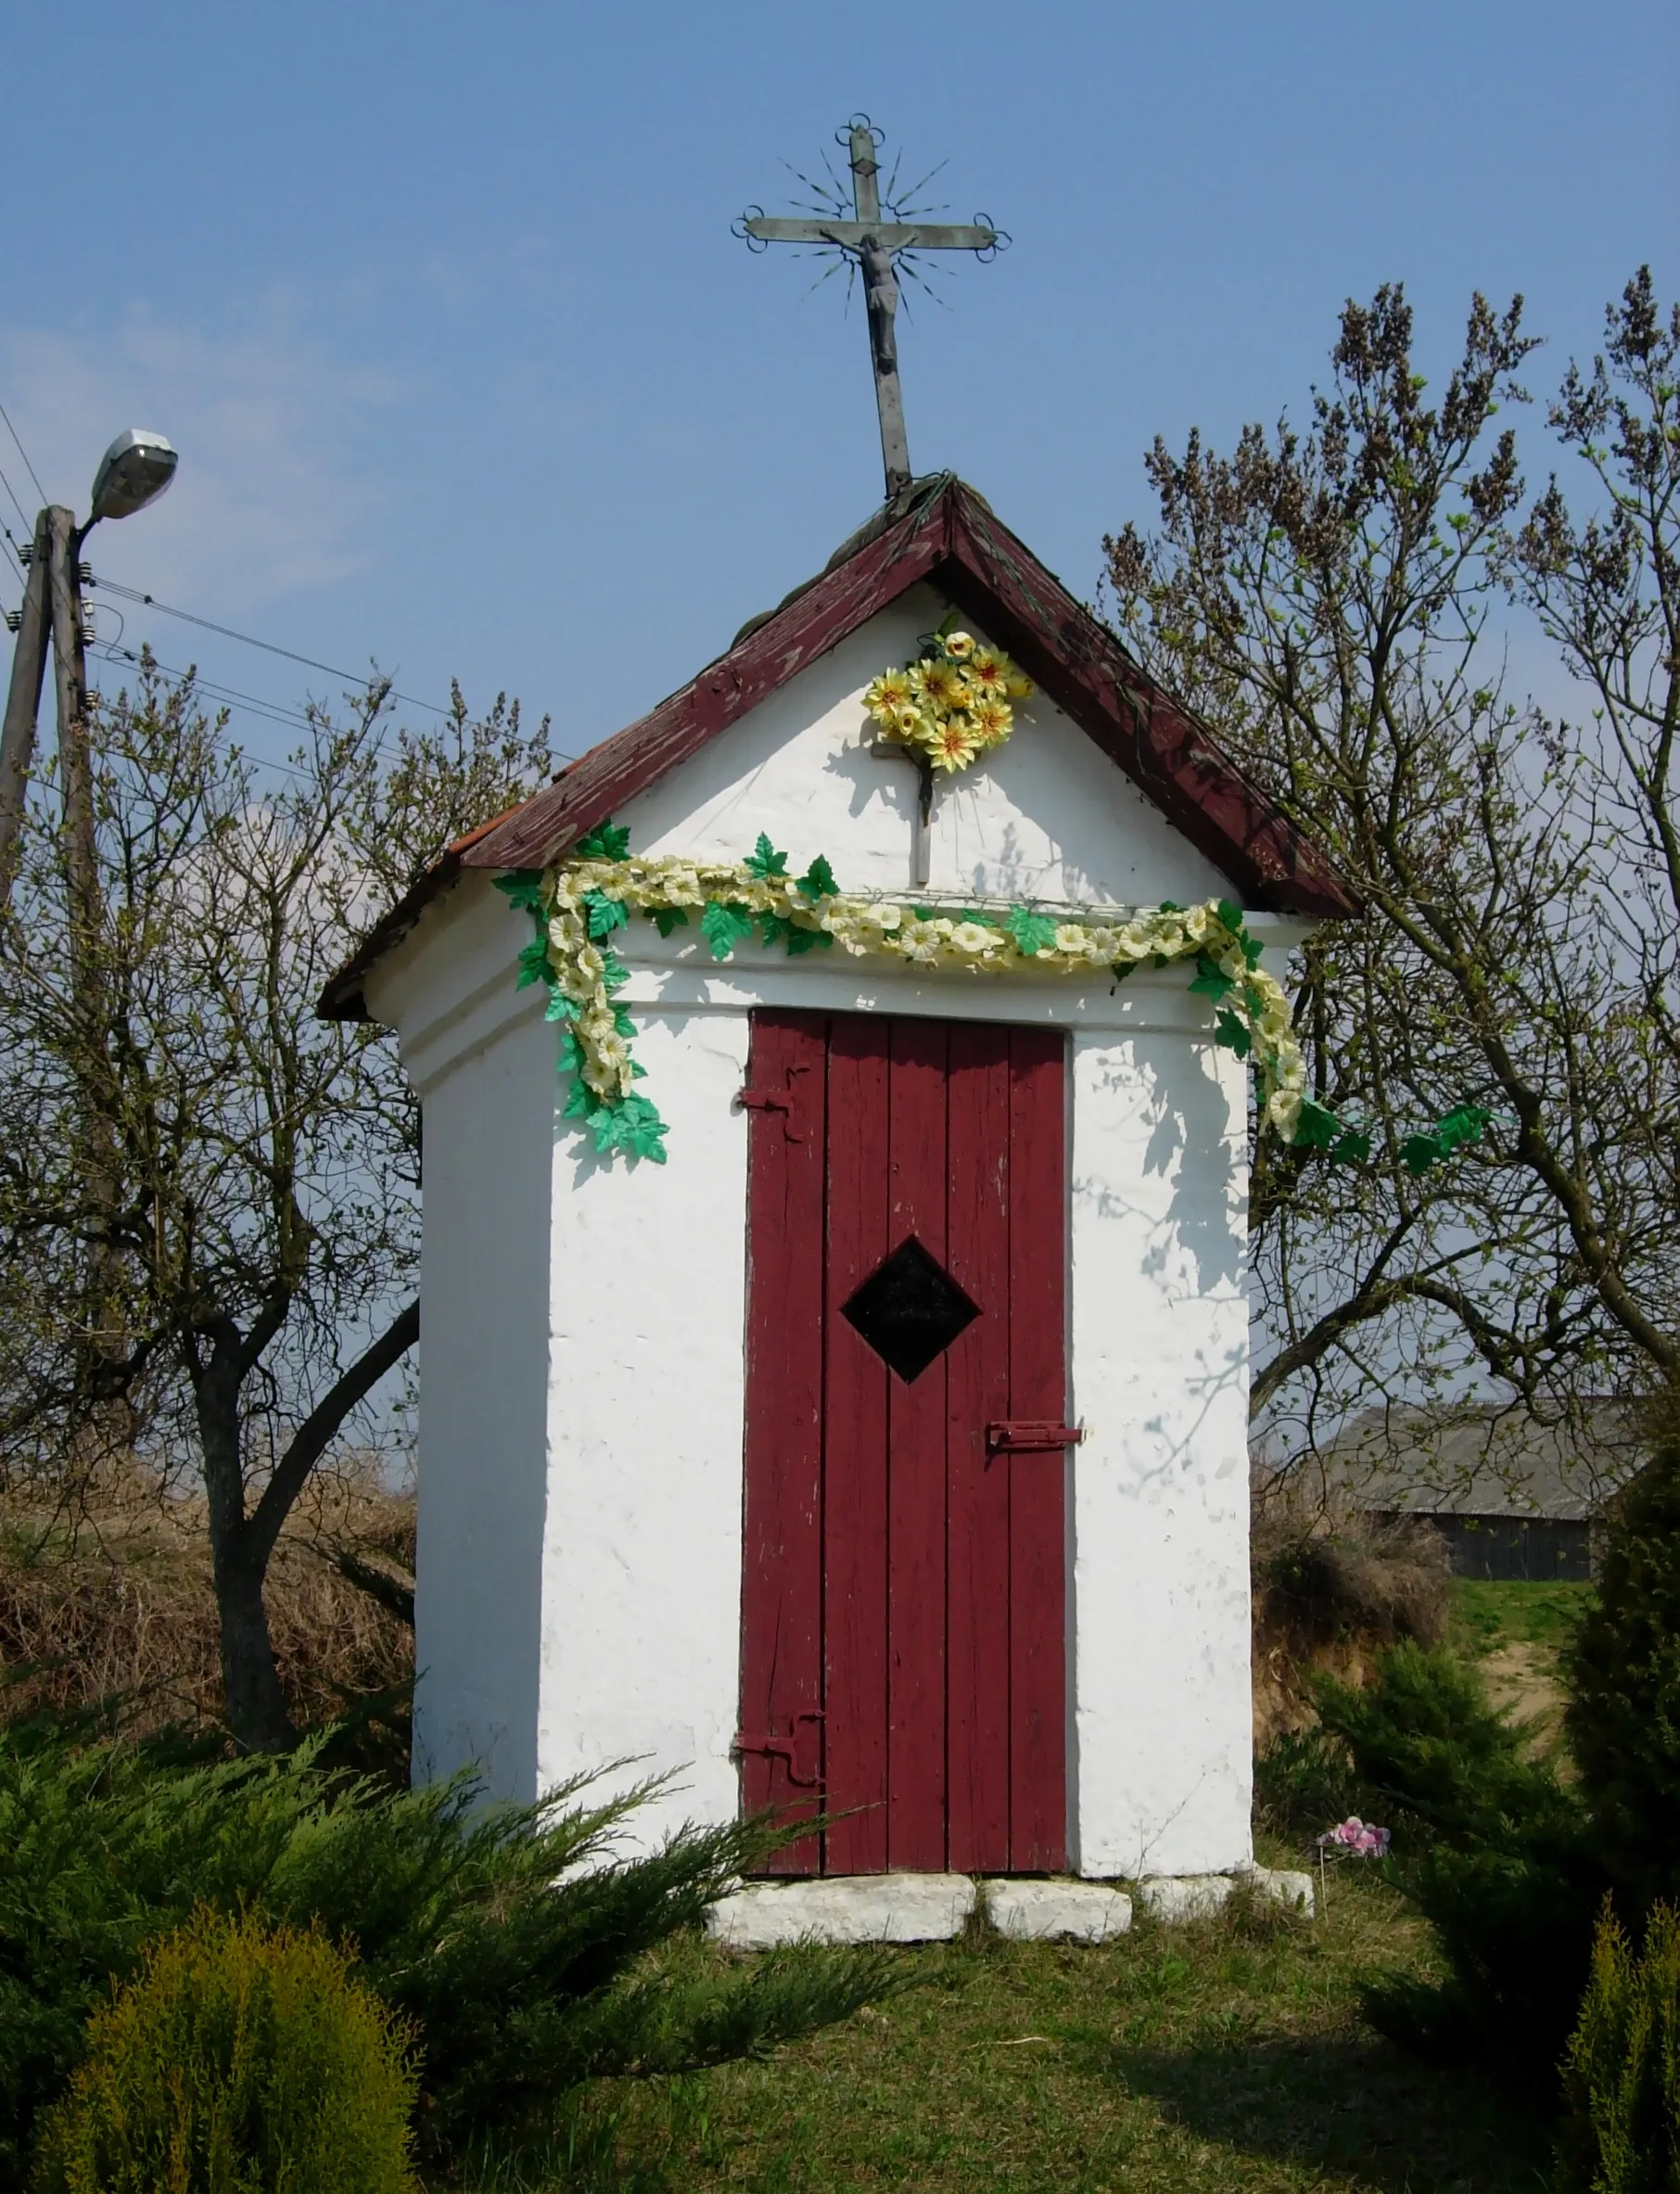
[1327, 596]
[208, 1196]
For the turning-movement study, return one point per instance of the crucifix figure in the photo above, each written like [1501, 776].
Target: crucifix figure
[875, 245]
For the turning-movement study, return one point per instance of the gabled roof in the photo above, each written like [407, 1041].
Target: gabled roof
[1484, 1459]
[938, 530]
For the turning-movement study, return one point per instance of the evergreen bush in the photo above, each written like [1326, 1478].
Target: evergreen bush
[240, 2059]
[1493, 1849]
[1622, 2073]
[1622, 1673]
[1303, 1781]
[515, 1938]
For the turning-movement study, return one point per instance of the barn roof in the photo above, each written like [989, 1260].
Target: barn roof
[939, 531]
[1485, 1460]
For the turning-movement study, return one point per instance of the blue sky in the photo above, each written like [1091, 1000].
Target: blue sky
[441, 307]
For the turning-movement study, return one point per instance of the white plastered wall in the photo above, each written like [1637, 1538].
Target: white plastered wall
[581, 1503]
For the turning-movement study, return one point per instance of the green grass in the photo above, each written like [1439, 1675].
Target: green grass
[1197, 2060]
[1488, 1616]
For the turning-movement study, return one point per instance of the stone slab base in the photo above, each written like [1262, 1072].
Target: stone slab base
[1174, 1898]
[934, 1907]
[1057, 1911]
[844, 1908]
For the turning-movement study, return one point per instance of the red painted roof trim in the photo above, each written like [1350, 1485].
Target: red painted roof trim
[946, 535]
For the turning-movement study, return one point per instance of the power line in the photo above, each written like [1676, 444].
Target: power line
[15, 504]
[275, 711]
[268, 647]
[26, 466]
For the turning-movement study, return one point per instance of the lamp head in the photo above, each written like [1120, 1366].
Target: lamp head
[132, 472]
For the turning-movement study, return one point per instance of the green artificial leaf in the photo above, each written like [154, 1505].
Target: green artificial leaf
[1252, 949]
[948, 623]
[764, 862]
[1233, 1033]
[614, 973]
[560, 1007]
[524, 889]
[632, 1125]
[605, 915]
[1355, 1149]
[1317, 1127]
[1122, 969]
[533, 964]
[773, 929]
[604, 1127]
[806, 940]
[666, 919]
[582, 1103]
[725, 927]
[571, 1051]
[605, 842]
[1230, 913]
[818, 881]
[1171, 906]
[1465, 1123]
[624, 1022]
[1031, 933]
[1211, 980]
[1419, 1153]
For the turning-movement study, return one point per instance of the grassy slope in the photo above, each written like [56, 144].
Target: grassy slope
[1220, 2057]
[1515, 1631]
[1489, 1616]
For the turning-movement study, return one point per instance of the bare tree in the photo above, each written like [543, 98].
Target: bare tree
[1330, 598]
[254, 1224]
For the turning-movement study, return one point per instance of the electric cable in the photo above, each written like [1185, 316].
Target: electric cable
[24, 454]
[28, 522]
[253, 703]
[249, 640]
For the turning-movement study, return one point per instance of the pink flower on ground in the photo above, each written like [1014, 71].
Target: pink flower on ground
[1359, 1839]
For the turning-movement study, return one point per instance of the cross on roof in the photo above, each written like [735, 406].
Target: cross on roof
[875, 245]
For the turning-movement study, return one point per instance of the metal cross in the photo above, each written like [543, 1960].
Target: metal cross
[875, 245]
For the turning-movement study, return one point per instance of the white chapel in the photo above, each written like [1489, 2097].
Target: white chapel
[833, 1357]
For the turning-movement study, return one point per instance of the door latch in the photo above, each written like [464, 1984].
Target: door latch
[1030, 1435]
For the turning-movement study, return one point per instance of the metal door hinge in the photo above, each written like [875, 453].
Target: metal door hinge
[780, 1100]
[784, 1748]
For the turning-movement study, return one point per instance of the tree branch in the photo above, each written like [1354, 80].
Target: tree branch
[310, 1440]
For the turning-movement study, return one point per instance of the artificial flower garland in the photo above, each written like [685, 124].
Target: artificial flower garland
[952, 703]
[578, 904]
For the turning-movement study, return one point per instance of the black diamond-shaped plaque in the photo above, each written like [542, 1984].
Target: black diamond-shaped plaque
[909, 1310]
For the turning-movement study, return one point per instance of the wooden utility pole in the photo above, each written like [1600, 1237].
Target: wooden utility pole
[75, 760]
[52, 602]
[875, 245]
[24, 702]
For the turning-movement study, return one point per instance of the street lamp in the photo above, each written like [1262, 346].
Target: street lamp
[132, 472]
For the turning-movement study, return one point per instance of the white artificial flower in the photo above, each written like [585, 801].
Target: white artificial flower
[974, 937]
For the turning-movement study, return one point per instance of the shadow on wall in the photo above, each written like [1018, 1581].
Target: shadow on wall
[1204, 1221]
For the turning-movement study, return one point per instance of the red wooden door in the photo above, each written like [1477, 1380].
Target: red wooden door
[904, 1619]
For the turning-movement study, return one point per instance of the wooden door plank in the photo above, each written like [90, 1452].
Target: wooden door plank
[855, 1416]
[782, 1570]
[1037, 1595]
[977, 1487]
[916, 1419]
